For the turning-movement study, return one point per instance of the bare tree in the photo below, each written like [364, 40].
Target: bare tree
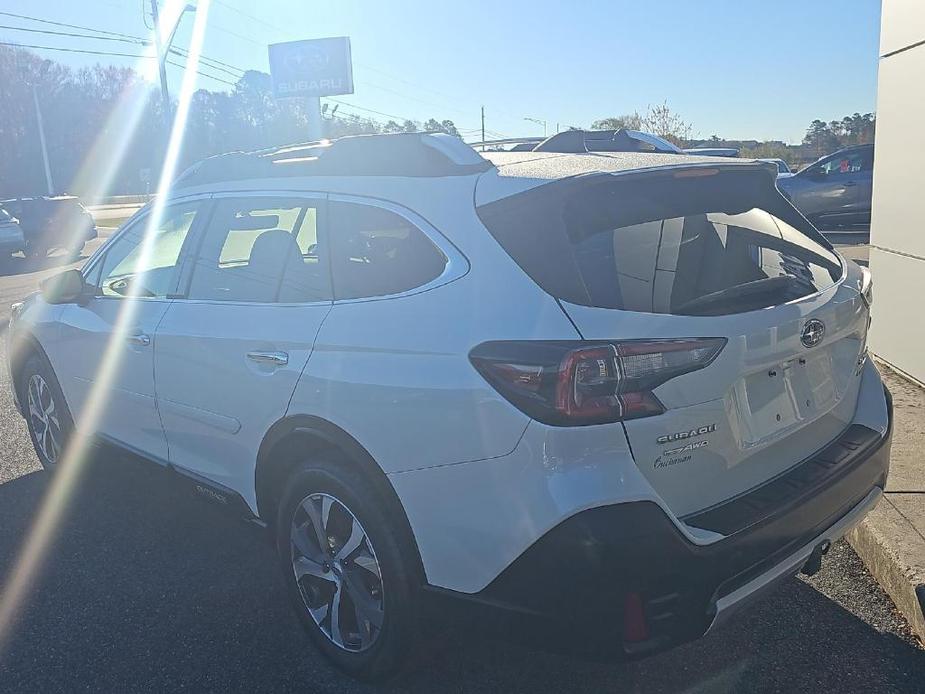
[659, 120]
[630, 121]
[662, 121]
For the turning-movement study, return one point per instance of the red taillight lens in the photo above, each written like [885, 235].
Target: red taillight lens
[573, 383]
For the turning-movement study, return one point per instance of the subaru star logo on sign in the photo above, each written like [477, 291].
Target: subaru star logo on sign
[812, 333]
[315, 67]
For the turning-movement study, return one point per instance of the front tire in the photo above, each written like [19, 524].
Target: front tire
[345, 570]
[47, 416]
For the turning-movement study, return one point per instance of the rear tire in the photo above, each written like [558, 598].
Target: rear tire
[355, 567]
[47, 416]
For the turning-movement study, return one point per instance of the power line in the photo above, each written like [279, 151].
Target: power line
[204, 74]
[74, 35]
[263, 22]
[109, 36]
[253, 18]
[72, 50]
[370, 110]
[109, 53]
[183, 53]
[209, 62]
[218, 65]
[69, 26]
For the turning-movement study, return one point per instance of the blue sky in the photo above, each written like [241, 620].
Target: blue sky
[747, 69]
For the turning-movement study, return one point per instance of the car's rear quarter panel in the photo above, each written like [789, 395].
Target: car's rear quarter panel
[395, 372]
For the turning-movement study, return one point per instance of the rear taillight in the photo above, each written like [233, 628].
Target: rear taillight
[576, 383]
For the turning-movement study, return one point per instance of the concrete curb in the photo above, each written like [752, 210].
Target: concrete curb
[891, 540]
[891, 548]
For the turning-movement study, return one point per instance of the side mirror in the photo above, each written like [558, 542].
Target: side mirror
[66, 287]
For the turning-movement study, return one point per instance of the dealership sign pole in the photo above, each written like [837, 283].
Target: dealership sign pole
[309, 70]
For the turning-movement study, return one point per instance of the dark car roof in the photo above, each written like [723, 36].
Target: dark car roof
[850, 148]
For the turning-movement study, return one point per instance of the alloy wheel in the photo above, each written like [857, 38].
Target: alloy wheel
[43, 416]
[338, 574]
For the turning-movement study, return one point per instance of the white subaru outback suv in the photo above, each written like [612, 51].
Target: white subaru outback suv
[614, 394]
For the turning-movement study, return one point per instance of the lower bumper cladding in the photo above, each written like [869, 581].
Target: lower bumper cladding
[623, 580]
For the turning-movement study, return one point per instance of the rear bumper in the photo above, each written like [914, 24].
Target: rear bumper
[578, 575]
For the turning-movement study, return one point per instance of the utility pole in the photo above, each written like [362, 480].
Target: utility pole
[483, 127]
[38, 118]
[315, 120]
[161, 64]
[163, 48]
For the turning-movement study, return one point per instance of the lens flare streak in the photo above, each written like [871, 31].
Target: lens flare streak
[26, 571]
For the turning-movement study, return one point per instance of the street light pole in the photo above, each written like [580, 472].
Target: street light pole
[163, 48]
[161, 64]
[38, 117]
[483, 127]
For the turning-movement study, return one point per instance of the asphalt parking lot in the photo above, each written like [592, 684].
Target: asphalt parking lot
[146, 589]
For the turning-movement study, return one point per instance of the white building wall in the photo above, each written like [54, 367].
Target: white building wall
[897, 254]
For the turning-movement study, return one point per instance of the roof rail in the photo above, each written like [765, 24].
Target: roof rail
[400, 154]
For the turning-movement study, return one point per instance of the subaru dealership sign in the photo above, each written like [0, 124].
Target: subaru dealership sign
[315, 67]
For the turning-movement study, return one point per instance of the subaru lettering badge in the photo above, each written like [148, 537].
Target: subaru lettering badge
[812, 333]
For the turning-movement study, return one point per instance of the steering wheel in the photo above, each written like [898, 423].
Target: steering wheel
[128, 286]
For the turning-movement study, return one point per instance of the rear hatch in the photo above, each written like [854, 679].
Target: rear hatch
[694, 253]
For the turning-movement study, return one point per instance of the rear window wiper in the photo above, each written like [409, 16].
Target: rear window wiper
[739, 292]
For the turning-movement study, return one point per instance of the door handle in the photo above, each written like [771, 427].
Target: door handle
[139, 339]
[849, 184]
[274, 358]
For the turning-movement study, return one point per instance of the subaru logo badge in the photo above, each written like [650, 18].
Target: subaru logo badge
[812, 333]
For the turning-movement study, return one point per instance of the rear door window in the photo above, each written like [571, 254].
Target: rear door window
[262, 250]
[845, 163]
[376, 252]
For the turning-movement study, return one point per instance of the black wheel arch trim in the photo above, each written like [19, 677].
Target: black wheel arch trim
[267, 480]
[18, 361]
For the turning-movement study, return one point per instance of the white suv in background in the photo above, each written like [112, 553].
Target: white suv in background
[614, 395]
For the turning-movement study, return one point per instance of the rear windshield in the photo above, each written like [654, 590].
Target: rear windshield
[704, 245]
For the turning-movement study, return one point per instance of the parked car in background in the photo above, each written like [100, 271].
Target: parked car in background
[48, 223]
[836, 189]
[783, 169]
[11, 238]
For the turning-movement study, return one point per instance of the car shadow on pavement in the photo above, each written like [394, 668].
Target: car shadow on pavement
[146, 588]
